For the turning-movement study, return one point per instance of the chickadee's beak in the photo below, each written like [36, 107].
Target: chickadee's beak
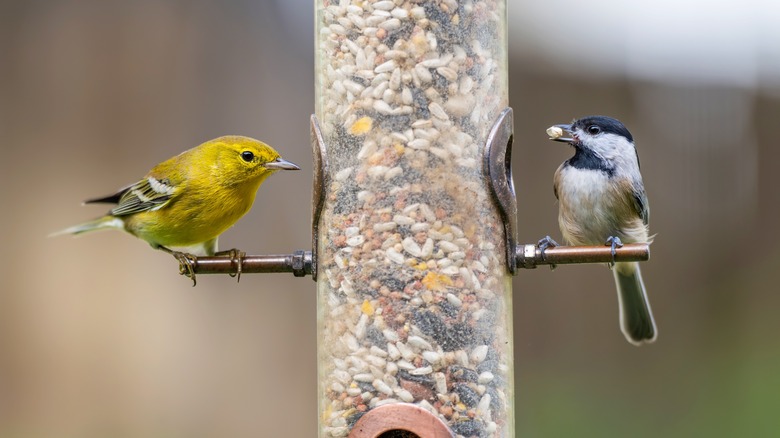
[280, 164]
[556, 133]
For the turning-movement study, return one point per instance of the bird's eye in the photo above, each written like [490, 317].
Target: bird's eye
[247, 156]
[593, 129]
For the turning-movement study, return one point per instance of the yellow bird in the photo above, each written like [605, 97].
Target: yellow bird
[183, 204]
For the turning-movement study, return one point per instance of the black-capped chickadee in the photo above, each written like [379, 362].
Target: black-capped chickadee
[602, 201]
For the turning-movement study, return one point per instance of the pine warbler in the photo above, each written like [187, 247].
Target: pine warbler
[183, 204]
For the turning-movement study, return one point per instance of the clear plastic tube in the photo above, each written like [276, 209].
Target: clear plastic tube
[414, 297]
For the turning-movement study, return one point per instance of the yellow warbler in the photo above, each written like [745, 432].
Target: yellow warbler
[186, 202]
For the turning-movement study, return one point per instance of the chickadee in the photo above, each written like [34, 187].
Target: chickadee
[602, 201]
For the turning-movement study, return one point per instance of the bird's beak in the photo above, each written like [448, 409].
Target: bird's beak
[280, 164]
[556, 133]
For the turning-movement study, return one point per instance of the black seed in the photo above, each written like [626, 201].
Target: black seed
[467, 395]
[462, 374]
[468, 428]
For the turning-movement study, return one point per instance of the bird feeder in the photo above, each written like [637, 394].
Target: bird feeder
[414, 293]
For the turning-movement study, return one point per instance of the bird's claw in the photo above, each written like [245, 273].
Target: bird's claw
[543, 244]
[614, 242]
[237, 257]
[187, 263]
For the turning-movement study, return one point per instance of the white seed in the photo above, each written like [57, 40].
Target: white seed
[360, 327]
[421, 371]
[438, 111]
[431, 356]
[437, 62]
[418, 13]
[396, 54]
[448, 246]
[364, 377]
[419, 143]
[479, 353]
[449, 74]
[455, 301]
[440, 382]
[484, 407]
[427, 248]
[391, 336]
[460, 105]
[382, 387]
[346, 287]
[357, 20]
[384, 226]
[395, 256]
[353, 87]
[383, 107]
[386, 66]
[450, 270]
[405, 365]
[392, 350]
[457, 255]
[406, 352]
[420, 226]
[399, 13]
[403, 220]
[391, 24]
[404, 395]
[423, 74]
[485, 378]
[412, 247]
[395, 79]
[384, 5]
[554, 132]
[375, 19]
[418, 342]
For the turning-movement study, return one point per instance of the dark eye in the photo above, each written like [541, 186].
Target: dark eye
[593, 129]
[247, 156]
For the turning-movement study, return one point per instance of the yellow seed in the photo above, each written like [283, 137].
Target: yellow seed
[361, 126]
[367, 308]
[422, 266]
[436, 281]
[399, 148]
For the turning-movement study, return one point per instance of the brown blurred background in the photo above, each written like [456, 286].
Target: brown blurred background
[99, 336]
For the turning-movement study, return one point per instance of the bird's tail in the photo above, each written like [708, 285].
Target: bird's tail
[103, 223]
[636, 317]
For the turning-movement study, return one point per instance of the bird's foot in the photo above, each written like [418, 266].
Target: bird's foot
[614, 242]
[187, 263]
[544, 243]
[237, 257]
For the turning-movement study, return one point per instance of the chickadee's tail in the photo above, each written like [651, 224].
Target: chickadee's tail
[636, 317]
[103, 223]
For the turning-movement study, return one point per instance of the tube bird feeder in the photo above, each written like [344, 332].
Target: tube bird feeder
[413, 268]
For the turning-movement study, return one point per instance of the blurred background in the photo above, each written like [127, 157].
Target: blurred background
[99, 336]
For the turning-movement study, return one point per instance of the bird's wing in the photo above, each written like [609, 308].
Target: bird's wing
[640, 202]
[149, 194]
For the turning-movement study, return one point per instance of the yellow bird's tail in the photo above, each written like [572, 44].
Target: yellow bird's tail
[103, 223]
